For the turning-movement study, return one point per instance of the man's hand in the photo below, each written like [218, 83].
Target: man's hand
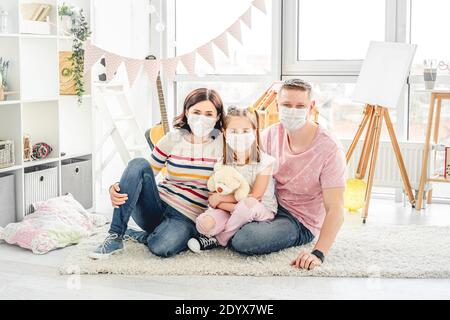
[117, 199]
[306, 260]
[214, 200]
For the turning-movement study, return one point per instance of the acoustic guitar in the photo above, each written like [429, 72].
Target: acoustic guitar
[154, 134]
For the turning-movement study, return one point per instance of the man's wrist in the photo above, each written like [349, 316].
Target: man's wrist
[319, 254]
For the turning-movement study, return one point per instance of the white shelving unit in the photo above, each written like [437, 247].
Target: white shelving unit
[38, 109]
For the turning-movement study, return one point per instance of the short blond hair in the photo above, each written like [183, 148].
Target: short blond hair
[296, 84]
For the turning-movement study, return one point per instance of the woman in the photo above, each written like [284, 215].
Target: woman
[166, 211]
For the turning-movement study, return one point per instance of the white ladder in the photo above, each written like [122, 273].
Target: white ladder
[121, 123]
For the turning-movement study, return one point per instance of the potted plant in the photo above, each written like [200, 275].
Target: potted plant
[4, 64]
[65, 19]
[79, 29]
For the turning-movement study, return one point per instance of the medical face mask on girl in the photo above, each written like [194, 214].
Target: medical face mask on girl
[240, 142]
[201, 126]
[293, 118]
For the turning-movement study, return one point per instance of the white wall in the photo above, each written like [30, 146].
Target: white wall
[122, 27]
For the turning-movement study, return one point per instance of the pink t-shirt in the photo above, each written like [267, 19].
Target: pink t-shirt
[300, 178]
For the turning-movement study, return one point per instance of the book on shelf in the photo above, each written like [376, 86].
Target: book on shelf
[27, 10]
[35, 11]
[44, 14]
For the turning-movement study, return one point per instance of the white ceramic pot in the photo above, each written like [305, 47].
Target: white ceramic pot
[65, 24]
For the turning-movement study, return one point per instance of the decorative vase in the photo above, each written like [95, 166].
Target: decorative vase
[65, 24]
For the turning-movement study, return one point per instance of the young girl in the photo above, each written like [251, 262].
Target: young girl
[225, 215]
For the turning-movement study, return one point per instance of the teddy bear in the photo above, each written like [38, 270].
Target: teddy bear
[226, 180]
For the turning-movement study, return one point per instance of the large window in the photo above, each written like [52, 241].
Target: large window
[338, 30]
[328, 37]
[429, 28]
[325, 41]
[206, 19]
[430, 25]
[243, 77]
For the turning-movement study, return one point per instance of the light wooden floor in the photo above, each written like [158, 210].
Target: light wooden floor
[27, 276]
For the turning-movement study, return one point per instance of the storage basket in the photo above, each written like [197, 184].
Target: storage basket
[7, 199]
[6, 153]
[76, 178]
[41, 183]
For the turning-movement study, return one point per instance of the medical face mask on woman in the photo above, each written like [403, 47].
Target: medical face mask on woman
[201, 126]
[240, 142]
[293, 118]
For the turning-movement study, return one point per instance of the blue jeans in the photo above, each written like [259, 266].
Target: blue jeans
[168, 230]
[283, 232]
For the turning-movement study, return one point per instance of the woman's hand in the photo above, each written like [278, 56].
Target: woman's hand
[306, 260]
[214, 200]
[117, 199]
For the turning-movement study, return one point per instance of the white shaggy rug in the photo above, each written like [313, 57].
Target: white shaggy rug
[359, 251]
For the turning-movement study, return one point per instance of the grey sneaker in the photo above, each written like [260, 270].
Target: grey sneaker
[111, 245]
[202, 243]
[136, 236]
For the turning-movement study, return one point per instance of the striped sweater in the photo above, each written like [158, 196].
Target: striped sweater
[189, 166]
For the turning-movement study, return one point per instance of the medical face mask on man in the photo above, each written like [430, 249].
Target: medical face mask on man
[293, 118]
[240, 142]
[201, 126]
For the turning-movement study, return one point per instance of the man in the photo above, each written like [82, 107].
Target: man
[309, 182]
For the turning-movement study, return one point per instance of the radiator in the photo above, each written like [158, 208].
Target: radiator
[387, 172]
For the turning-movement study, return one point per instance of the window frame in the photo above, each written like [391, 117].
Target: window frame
[293, 66]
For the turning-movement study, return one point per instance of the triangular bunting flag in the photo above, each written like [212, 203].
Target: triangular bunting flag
[112, 63]
[235, 31]
[188, 61]
[152, 68]
[260, 4]
[133, 66]
[169, 68]
[206, 52]
[247, 18]
[222, 43]
[91, 55]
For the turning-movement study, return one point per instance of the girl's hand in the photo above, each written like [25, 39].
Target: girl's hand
[214, 200]
[117, 199]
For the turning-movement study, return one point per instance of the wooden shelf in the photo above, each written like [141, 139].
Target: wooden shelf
[9, 169]
[29, 35]
[75, 155]
[39, 100]
[7, 102]
[33, 163]
[36, 107]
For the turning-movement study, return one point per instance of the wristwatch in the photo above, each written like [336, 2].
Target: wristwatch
[319, 254]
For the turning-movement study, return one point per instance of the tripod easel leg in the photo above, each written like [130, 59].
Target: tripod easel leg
[398, 155]
[430, 196]
[362, 126]
[426, 152]
[435, 140]
[378, 122]
[367, 145]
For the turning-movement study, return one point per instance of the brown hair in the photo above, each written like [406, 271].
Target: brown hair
[194, 97]
[250, 114]
[296, 84]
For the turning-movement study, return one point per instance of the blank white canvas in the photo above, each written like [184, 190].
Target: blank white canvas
[383, 74]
